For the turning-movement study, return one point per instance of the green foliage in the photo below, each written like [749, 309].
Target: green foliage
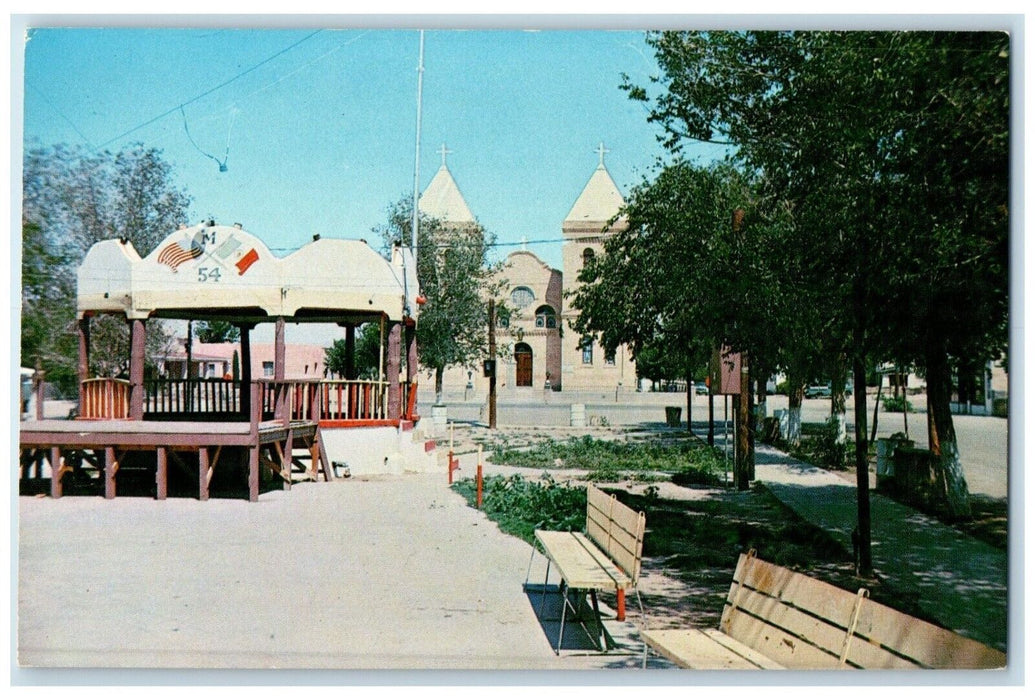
[217, 332]
[820, 446]
[71, 199]
[896, 404]
[610, 461]
[365, 359]
[455, 277]
[520, 506]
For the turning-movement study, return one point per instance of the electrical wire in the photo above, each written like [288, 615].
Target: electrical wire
[208, 92]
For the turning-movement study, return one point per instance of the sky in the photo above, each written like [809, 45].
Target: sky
[317, 127]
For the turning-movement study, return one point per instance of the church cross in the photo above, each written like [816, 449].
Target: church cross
[444, 152]
[601, 151]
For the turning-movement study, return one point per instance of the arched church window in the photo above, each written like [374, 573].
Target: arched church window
[545, 317]
[587, 255]
[521, 297]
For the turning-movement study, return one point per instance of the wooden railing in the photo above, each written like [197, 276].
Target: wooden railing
[297, 399]
[104, 397]
[191, 396]
[354, 399]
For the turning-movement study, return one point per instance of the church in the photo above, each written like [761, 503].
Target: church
[538, 349]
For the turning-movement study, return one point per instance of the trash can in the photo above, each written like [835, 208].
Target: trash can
[673, 415]
[578, 415]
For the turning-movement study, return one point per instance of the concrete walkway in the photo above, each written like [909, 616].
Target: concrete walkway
[376, 573]
[959, 580]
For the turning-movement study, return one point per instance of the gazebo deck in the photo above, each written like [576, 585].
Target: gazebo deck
[195, 447]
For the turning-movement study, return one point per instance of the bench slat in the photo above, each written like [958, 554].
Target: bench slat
[787, 629]
[700, 650]
[927, 644]
[617, 529]
[580, 562]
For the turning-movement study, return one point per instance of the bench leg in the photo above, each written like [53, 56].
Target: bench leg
[542, 595]
[600, 622]
[564, 611]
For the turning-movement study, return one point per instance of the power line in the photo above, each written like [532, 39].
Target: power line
[209, 91]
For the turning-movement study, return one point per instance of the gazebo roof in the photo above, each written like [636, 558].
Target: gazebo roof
[213, 271]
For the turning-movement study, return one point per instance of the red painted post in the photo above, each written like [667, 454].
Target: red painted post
[478, 477]
[621, 605]
[450, 466]
[479, 487]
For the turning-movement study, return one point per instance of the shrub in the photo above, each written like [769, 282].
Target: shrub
[896, 404]
[520, 506]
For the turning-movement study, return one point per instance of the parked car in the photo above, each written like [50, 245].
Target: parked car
[701, 389]
[822, 391]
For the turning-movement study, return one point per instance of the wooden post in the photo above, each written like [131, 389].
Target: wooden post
[56, 472]
[138, 341]
[202, 473]
[38, 387]
[492, 356]
[279, 351]
[246, 370]
[83, 332]
[620, 613]
[394, 391]
[742, 468]
[478, 477]
[111, 467]
[162, 473]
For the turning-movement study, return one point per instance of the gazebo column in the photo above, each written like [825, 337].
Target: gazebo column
[246, 369]
[392, 370]
[411, 367]
[83, 331]
[279, 351]
[137, 343]
[411, 353]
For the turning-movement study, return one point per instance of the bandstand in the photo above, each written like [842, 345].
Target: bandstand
[241, 429]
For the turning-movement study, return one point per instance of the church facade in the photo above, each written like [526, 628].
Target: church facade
[538, 350]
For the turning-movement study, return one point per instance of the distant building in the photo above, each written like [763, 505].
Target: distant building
[540, 349]
[216, 360]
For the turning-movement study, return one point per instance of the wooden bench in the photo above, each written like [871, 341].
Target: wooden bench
[607, 557]
[776, 618]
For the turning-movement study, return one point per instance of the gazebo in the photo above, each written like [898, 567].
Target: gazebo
[215, 272]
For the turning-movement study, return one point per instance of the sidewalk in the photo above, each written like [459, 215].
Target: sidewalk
[960, 581]
[358, 574]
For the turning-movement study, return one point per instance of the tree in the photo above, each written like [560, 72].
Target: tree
[365, 360]
[455, 278]
[217, 332]
[72, 199]
[867, 137]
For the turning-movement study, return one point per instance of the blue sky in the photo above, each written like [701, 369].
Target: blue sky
[321, 126]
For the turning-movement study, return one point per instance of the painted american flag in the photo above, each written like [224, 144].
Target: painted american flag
[175, 254]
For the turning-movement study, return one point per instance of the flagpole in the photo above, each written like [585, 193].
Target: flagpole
[416, 154]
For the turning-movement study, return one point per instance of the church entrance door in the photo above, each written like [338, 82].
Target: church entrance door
[523, 360]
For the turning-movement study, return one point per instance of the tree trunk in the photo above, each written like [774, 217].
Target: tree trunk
[876, 406]
[941, 434]
[794, 399]
[862, 473]
[438, 385]
[837, 399]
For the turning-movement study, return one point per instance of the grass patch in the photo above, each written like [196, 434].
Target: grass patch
[521, 506]
[686, 461]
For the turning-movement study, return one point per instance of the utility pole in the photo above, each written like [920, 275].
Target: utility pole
[492, 365]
